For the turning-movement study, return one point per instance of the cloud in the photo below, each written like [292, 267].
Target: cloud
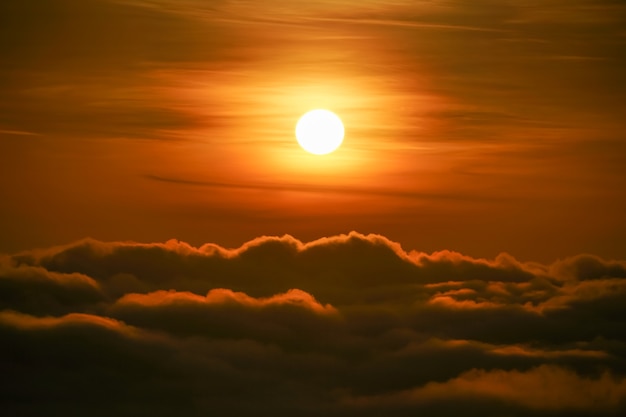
[97, 56]
[36, 290]
[293, 319]
[545, 388]
[344, 325]
[320, 189]
[589, 267]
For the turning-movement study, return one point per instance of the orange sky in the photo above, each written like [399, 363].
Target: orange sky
[479, 127]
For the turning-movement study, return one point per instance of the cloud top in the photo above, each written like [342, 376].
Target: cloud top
[345, 325]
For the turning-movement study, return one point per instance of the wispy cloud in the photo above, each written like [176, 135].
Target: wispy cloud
[319, 189]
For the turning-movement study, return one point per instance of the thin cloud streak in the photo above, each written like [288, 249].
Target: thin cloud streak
[307, 188]
[407, 24]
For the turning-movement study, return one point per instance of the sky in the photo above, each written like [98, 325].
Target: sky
[166, 244]
[480, 127]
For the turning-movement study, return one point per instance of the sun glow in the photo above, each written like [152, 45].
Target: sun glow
[319, 131]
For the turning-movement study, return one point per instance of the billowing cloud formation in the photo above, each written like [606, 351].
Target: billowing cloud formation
[349, 325]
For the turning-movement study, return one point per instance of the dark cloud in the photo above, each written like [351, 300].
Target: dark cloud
[35, 290]
[589, 267]
[564, 392]
[345, 325]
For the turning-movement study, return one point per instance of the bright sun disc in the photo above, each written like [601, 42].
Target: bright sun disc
[319, 131]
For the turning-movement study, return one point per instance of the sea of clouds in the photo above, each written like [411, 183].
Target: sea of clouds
[348, 325]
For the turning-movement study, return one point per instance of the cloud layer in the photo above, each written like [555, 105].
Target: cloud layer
[348, 325]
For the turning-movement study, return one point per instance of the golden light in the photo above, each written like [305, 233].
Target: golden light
[319, 131]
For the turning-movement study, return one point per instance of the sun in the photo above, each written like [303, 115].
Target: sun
[319, 131]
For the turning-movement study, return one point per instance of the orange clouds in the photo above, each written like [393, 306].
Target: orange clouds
[344, 325]
[545, 388]
[220, 296]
